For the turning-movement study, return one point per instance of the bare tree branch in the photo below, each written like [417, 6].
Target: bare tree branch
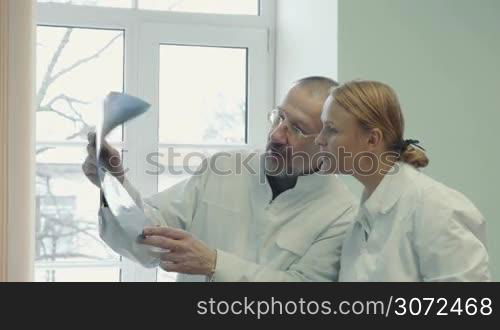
[48, 109]
[81, 133]
[83, 60]
[69, 100]
[76, 118]
[43, 149]
[57, 54]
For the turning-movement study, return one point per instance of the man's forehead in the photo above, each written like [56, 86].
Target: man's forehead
[294, 113]
[301, 102]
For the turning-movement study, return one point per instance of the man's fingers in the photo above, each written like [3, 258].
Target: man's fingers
[159, 231]
[161, 242]
[90, 171]
[89, 168]
[91, 151]
[171, 267]
[90, 161]
[91, 138]
[171, 257]
[107, 149]
[172, 233]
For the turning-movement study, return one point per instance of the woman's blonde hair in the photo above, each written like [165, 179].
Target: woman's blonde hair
[376, 105]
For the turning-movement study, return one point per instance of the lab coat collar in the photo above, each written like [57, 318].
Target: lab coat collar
[388, 192]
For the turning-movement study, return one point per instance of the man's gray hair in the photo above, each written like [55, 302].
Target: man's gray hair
[317, 86]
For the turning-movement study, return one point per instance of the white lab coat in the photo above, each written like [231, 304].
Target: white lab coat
[296, 237]
[413, 228]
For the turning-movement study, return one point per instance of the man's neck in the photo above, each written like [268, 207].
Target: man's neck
[281, 184]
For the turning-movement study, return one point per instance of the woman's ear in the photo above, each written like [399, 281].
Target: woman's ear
[375, 139]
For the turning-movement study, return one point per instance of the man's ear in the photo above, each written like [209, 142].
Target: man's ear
[375, 138]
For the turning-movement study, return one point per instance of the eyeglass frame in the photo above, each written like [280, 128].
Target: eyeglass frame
[295, 131]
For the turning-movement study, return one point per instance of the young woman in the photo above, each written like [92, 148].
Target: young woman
[409, 226]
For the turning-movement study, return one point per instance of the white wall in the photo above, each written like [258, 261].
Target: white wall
[306, 41]
[307, 45]
[443, 59]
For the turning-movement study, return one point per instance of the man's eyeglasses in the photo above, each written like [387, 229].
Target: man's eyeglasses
[278, 117]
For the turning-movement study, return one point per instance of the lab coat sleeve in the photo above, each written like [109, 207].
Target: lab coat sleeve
[451, 243]
[320, 263]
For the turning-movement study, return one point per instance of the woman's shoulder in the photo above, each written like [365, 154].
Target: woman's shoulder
[439, 206]
[436, 195]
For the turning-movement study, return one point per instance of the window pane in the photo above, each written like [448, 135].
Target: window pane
[100, 3]
[234, 7]
[202, 95]
[67, 205]
[75, 69]
[66, 221]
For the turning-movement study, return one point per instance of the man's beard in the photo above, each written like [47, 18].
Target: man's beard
[275, 168]
[278, 162]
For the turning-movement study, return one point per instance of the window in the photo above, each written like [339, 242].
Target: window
[206, 76]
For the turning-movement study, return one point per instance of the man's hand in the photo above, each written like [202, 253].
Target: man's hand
[111, 157]
[185, 253]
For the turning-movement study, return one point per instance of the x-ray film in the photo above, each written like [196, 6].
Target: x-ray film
[121, 216]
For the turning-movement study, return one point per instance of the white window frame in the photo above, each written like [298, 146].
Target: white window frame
[142, 34]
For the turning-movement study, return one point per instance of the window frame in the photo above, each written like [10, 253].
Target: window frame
[141, 30]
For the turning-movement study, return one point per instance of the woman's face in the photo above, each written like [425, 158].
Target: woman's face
[342, 141]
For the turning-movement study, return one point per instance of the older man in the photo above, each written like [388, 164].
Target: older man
[253, 216]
